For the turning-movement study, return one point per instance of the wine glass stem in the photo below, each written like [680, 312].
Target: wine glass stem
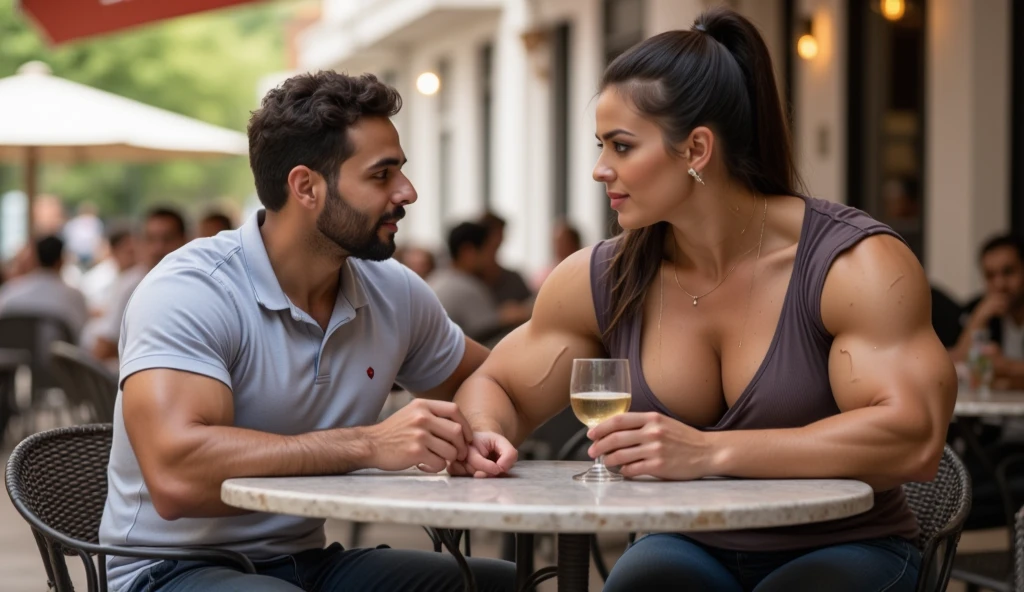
[599, 463]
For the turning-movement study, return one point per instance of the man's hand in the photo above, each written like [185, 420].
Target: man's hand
[490, 455]
[651, 444]
[991, 306]
[424, 433]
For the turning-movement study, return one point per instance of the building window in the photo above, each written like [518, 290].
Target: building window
[444, 140]
[560, 61]
[1017, 118]
[486, 94]
[623, 28]
[885, 159]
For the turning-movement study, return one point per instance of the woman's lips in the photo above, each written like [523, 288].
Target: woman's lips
[617, 199]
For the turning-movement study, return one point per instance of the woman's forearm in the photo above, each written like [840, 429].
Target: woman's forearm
[877, 445]
[488, 408]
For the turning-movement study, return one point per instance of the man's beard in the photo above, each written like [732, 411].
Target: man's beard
[353, 230]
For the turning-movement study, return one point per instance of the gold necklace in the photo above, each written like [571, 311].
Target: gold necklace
[675, 271]
[661, 297]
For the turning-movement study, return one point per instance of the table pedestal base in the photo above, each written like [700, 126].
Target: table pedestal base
[573, 562]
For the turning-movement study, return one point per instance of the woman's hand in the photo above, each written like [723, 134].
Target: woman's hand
[490, 455]
[652, 444]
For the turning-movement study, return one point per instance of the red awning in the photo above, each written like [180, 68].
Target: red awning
[64, 20]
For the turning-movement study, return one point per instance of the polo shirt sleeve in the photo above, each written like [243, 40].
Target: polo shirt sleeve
[181, 319]
[436, 344]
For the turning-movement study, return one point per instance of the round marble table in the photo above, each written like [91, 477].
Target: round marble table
[995, 404]
[540, 496]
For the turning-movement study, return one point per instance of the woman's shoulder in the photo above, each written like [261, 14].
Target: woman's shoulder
[566, 296]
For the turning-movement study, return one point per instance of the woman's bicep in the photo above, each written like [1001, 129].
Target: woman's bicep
[533, 364]
[877, 304]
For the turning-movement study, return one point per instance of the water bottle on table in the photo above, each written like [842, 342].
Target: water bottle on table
[980, 363]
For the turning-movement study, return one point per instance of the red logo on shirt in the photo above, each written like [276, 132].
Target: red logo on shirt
[369, 372]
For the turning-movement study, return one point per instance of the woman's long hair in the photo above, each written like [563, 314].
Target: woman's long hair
[718, 74]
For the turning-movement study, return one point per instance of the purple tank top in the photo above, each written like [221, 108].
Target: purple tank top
[790, 389]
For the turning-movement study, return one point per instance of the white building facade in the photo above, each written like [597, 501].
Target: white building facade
[511, 127]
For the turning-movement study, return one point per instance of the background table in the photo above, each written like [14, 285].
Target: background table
[996, 404]
[540, 496]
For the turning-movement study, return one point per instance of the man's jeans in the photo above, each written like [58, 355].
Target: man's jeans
[331, 570]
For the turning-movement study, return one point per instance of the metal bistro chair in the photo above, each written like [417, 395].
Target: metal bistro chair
[57, 481]
[85, 381]
[997, 570]
[33, 335]
[941, 507]
[1018, 551]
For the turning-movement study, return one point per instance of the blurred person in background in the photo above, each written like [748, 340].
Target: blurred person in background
[565, 240]
[83, 234]
[43, 292]
[997, 316]
[212, 223]
[506, 285]
[47, 215]
[464, 295]
[23, 261]
[100, 282]
[116, 256]
[163, 232]
[418, 259]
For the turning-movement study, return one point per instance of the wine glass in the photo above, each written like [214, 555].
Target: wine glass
[599, 389]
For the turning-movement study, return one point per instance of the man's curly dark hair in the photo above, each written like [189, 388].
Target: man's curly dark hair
[305, 121]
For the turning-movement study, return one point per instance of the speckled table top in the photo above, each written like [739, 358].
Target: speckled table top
[995, 404]
[540, 496]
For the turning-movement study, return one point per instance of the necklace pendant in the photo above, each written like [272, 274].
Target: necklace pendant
[695, 302]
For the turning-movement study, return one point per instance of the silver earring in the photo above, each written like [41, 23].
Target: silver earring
[695, 175]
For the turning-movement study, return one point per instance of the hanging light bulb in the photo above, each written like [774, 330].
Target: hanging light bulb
[807, 44]
[893, 10]
[428, 83]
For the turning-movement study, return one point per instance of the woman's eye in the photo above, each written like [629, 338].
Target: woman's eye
[620, 147]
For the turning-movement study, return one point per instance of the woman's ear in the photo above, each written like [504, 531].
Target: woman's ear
[698, 148]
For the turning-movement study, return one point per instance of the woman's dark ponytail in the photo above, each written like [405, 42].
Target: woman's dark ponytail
[718, 74]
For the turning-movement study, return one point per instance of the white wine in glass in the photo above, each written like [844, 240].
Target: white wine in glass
[598, 390]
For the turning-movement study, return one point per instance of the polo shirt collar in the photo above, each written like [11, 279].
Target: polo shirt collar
[264, 281]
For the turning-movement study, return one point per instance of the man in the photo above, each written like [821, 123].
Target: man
[270, 350]
[565, 240]
[99, 283]
[464, 295]
[418, 259]
[42, 291]
[84, 233]
[213, 223]
[1000, 311]
[506, 285]
[163, 232]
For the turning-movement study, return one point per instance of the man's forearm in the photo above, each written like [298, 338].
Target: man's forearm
[186, 481]
[962, 348]
[1013, 370]
[104, 349]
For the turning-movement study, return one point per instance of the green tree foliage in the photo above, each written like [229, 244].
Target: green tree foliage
[206, 66]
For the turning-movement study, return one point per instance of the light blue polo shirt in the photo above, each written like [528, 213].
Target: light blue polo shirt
[215, 307]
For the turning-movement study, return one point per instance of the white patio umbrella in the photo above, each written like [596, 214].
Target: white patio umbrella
[44, 118]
